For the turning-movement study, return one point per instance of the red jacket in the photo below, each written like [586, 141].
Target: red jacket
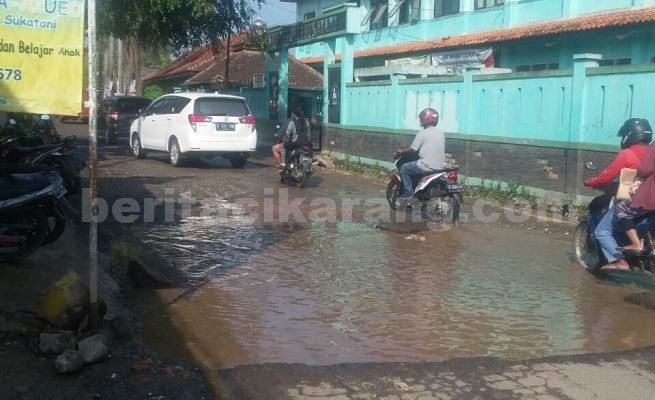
[627, 158]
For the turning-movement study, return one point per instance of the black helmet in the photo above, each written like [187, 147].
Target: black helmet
[635, 130]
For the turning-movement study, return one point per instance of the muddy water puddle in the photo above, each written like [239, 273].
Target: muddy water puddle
[325, 293]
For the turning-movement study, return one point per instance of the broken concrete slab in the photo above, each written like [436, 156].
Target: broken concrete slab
[57, 342]
[93, 349]
[69, 362]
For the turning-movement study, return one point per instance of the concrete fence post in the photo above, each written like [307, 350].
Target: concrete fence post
[347, 74]
[466, 115]
[578, 103]
[399, 102]
[578, 90]
[329, 54]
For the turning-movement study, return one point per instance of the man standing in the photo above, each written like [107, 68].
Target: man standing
[430, 143]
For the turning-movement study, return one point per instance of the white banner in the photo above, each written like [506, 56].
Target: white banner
[464, 56]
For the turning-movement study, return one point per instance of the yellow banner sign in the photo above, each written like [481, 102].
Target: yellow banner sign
[41, 48]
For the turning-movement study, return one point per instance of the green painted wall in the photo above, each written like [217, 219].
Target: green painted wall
[551, 105]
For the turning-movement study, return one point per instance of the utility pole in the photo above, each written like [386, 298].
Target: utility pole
[227, 57]
[93, 164]
[119, 78]
[111, 76]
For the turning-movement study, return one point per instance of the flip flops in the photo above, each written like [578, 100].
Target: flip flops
[612, 267]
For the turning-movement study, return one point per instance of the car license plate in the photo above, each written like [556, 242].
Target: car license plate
[456, 188]
[225, 126]
[61, 191]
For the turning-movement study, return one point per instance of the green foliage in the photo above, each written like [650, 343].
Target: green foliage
[152, 91]
[178, 24]
[495, 191]
[371, 171]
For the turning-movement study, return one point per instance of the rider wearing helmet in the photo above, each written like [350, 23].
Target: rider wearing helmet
[430, 143]
[635, 134]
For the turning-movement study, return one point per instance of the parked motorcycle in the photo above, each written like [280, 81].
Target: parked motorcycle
[33, 130]
[298, 166]
[587, 249]
[32, 209]
[62, 156]
[438, 193]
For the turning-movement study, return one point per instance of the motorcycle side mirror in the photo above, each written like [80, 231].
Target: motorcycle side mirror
[45, 117]
[589, 165]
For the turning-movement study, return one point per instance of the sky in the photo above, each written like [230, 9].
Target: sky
[275, 12]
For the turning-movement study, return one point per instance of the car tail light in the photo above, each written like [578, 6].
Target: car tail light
[249, 120]
[452, 177]
[195, 118]
[114, 115]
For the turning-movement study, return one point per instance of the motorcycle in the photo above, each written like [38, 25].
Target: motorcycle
[61, 155]
[298, 166]
[438, 193]
[31, 198]
[32, 130]
[587, 250]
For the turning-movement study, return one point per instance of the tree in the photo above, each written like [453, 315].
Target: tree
[177, 24]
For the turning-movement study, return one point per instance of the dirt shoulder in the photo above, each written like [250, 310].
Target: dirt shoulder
[129, 371]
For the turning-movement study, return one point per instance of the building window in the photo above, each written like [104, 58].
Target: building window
[617, 61]
[480, 4]
[379, 14]
[445, 7]
[310, 15]
[537, 67]
[408, 10]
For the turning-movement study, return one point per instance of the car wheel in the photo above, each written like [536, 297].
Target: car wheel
[137, 150]
[174, 153]
[238, 162]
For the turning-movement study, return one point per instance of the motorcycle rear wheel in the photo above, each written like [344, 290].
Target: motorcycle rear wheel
[28, 222]
[586, 249]
[439, 215]
[301, 181]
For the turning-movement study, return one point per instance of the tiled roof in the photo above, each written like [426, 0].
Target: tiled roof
[589, 22]
[247, 62]
[190, 62]
[195, 60]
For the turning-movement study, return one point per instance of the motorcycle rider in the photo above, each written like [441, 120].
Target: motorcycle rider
[277, 148]
[430, 143]
[642, 203]
[296, 134]
[635, 134]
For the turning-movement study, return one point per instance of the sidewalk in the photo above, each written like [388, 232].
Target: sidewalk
[628, 375]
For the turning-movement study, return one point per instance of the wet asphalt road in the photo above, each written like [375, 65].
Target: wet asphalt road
[326, 286]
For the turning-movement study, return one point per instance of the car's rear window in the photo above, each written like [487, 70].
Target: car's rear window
[131, 105]
[217, 106]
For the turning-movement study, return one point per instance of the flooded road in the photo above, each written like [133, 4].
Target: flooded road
[328, 293]
[322, 292]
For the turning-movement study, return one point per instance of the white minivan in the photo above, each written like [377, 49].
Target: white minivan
[196, 124]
